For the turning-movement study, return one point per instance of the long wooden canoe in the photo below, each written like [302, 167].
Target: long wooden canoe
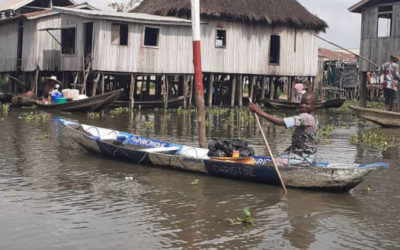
[173, 102]
[334, 103]
[285, 104]
[141, 150]
[381, 117]
[94, 103]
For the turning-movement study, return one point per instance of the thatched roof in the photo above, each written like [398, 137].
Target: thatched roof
[271, 12]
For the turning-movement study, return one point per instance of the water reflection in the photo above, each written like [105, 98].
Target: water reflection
[69, 198]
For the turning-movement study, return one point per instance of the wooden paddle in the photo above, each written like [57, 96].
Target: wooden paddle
[270, 152]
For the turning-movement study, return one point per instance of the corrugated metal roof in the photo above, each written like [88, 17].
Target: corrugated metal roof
[335, 55]
[131, 17]
[359, 6]
[16, 4]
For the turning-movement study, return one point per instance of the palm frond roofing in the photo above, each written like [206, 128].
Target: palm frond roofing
[271, 12]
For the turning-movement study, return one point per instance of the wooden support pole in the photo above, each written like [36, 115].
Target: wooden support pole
[36, 82]
[210, 88]
[252, 83]
[271, 88]
[102, 83]
[132, 91]
[240, 88]
[363, 89]
[263, 84]
[233, 91]
[191, 91]
[148, 80]
[142, 83]
[185, 90]
[165, 91]
[95, 82]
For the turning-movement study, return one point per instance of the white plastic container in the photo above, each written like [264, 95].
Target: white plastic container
[74, 94]
[66, 93]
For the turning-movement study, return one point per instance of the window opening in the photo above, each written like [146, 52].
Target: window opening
[220, 41]
[385, 20]
[119, 34]
[274, 49]
[68, 41]
[151, 36]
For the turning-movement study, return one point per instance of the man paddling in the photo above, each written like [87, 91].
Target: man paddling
[304, 140]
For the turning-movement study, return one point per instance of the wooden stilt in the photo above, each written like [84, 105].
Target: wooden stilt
[185, 90]
[263, 84]
[252, 83]
[233, 91]
[271, 88]
[142, 83]
[131, 92]
[36, 82]
[240, 88]
[165, 91]
[102, 83]
[210, 89]
[191, 91]
[95, 82]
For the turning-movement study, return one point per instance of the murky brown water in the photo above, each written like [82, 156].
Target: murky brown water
[55, 195]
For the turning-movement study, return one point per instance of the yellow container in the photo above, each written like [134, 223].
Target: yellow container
[235, 153]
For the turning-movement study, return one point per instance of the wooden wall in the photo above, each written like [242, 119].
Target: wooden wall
[39, 48]
[247, 50]
[173, 54]
[74, 62]
[378, 49]
[8, 46]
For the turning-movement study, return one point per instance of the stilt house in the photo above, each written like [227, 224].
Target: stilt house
[251, 39]
[380, 35]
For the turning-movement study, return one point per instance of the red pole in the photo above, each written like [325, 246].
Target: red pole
[198, 77]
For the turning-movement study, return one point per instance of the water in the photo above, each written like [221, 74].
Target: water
[55, 195]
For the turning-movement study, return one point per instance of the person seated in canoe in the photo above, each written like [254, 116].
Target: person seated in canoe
[304, 140]
[51, 84]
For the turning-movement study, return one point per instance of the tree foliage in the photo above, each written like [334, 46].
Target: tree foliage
[124, 6]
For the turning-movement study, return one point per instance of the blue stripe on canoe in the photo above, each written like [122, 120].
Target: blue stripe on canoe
[373, 165]
[146, 142]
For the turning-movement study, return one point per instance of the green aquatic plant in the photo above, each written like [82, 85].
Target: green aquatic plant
[375, 138]
[217, 111]
[40, 117]
[93, 115]
[326, 131]
[119, 110]
[147, 124]
[347, 103]
[247, 218]
[5, 108]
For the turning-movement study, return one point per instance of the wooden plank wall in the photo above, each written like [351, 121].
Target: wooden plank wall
[74, 62]
[8, 46]
[378, 49]
[247, 50]
[173, 54]
[39, 48]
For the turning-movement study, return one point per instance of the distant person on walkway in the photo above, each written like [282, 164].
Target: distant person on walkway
[304, 140]
[391, 79]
